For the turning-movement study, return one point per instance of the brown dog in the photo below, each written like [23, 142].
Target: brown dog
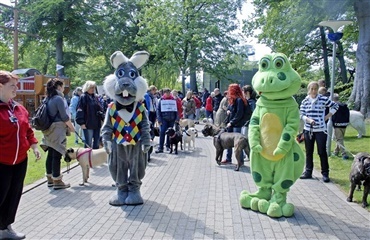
[224, 140]
[87, 158]
[360, 172]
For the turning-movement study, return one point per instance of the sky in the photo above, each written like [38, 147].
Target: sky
[247, 9]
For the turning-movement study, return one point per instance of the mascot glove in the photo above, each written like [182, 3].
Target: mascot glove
[145, 148]
[108, 147]
[278, 151]
[257, 148]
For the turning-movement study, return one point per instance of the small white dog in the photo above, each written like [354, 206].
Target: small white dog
[88, 158]
[357, 121]
[188, 136]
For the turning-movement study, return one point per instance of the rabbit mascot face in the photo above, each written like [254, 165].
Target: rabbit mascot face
[126, 128]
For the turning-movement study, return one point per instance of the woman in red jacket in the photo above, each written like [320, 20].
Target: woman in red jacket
[16, 138]
[209, 106]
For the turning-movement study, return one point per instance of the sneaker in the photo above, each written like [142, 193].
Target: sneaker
[306, 175]
[325, 178]
[9, 233]
[159, 151]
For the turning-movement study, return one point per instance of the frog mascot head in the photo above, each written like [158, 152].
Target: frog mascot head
[276, 159]
[125, 131]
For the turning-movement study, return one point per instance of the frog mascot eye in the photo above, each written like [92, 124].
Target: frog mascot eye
[265, 63]
[279, 62]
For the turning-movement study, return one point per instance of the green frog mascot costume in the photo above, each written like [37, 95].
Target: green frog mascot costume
[125, 131]
[277, 161]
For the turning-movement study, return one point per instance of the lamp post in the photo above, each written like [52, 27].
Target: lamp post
[335, 36]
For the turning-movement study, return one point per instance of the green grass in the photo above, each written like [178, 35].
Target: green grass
[339, 168]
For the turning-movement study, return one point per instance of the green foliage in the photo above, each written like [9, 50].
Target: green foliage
[291, 27]
[6, 62]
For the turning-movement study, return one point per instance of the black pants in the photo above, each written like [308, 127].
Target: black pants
[320, 138]
[53, 162]
[11, 186]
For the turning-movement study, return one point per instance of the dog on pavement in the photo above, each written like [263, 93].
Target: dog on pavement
[175, 138]
[87, 158]
[360, 173]
[224, 140]
[357, 121]
[188, 137]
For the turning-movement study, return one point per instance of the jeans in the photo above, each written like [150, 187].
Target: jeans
[91, 134]
[320, 138]
[209, 114]
[164, 126]
[230, 150]
[11, 186]
[53, 162]
[78, 130]
[197, 114]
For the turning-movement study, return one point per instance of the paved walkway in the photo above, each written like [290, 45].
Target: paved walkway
[187, 196]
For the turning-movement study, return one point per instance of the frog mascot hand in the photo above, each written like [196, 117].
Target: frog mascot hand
[277, 161]
[125, 131]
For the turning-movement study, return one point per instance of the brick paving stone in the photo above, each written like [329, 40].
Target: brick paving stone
[186, 196]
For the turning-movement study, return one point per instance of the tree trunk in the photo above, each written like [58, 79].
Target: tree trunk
[360, 94]
[325, 56]
[342, 63]
[193, 80]
[59, 54]
[59, 46]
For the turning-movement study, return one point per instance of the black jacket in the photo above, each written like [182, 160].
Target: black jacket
[239, 113]
[89, 111]
[341, 117]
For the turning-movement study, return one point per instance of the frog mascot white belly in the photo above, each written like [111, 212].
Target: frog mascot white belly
[277, 161]
[125, 131]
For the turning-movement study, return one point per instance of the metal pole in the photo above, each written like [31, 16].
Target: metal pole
[15, 35]
[330, 123]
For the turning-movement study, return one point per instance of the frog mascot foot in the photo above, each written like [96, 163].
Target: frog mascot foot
[250, 200]
[134, 198]
[119, 198]
[277, 206]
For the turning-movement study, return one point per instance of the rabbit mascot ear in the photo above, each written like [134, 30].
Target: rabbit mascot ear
[138, 59]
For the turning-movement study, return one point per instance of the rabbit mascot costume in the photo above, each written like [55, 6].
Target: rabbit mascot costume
[126, 128]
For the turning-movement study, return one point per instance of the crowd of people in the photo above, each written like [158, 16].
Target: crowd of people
[231, 109]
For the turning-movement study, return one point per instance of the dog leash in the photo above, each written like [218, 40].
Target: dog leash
[345, 149]
[87, 145]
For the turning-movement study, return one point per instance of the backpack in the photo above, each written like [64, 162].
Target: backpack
[41, 120]
[341, 117]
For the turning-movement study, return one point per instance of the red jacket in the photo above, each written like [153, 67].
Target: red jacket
[16, 134]
[209, 104]
[198, 103]
[179, 107]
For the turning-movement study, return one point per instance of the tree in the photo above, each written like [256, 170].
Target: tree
[360, 95]
[5, 56]
[190, 34]
[60, 22]
[290, 26]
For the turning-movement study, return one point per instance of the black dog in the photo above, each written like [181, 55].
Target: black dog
[224, 140]
[175, 138]
[360, 172]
